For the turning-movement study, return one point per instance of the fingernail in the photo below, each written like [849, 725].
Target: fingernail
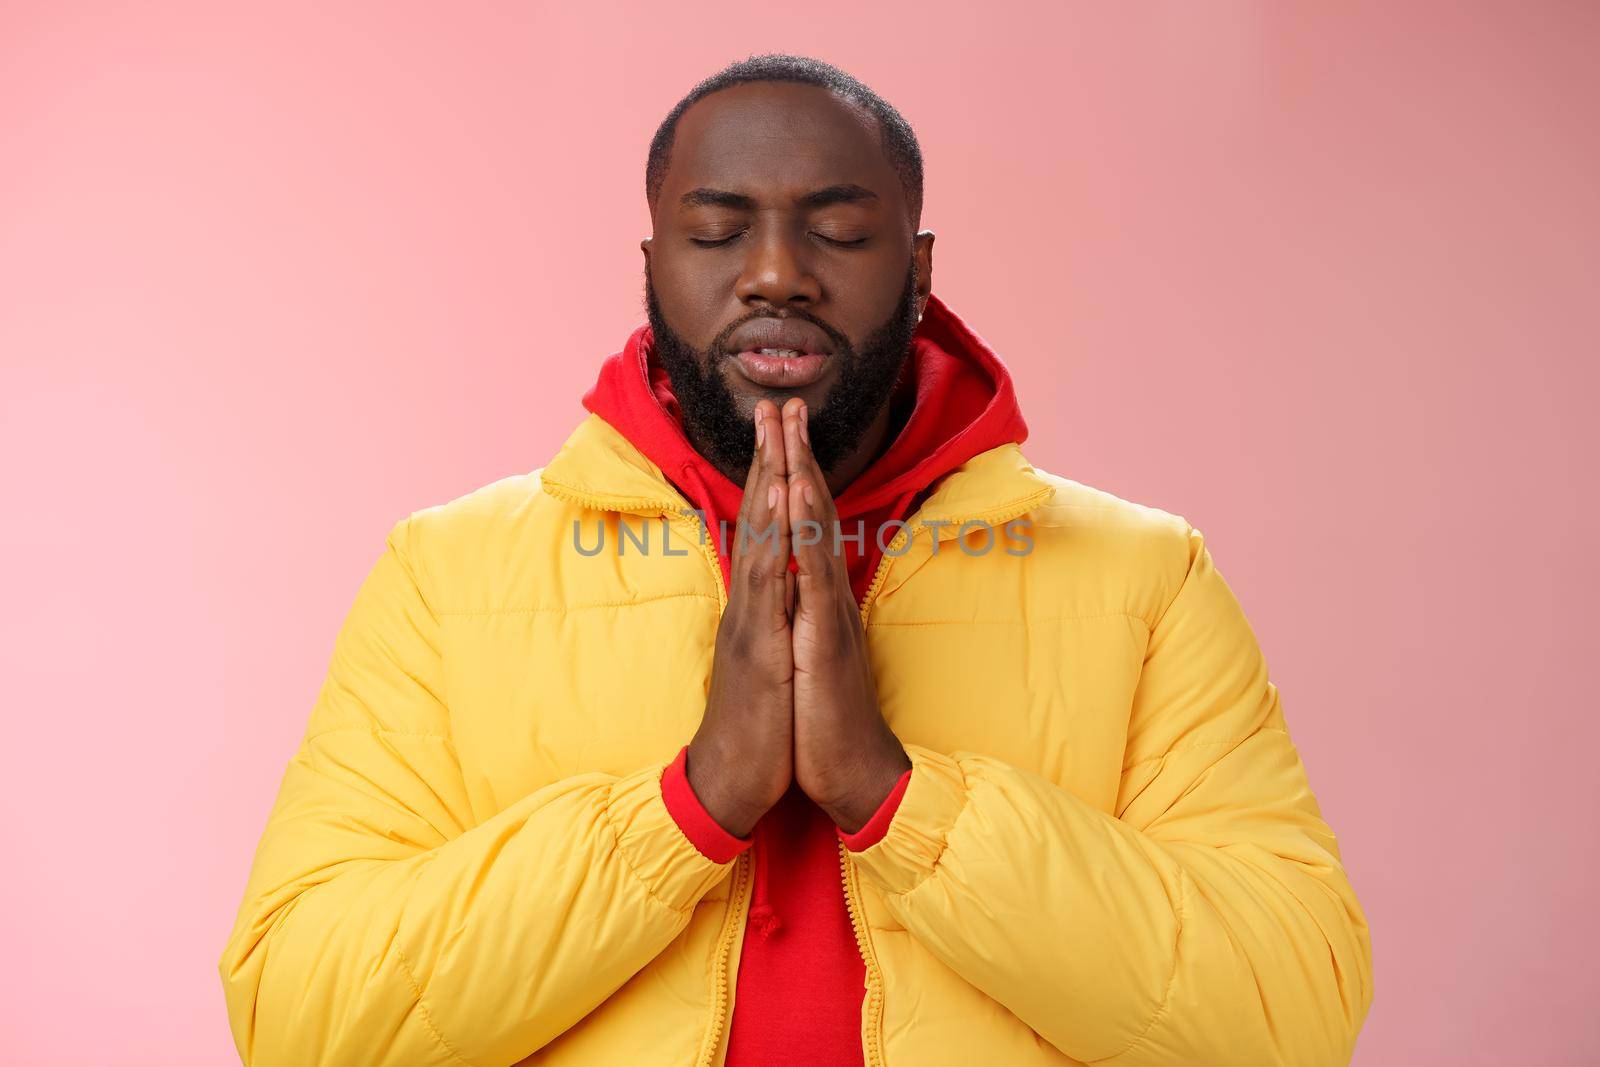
[761, 430]
[772, 497]
[811, 501]
[805, 417]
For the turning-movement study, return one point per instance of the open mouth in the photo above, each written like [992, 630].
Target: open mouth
[780, 352]
[781, 368]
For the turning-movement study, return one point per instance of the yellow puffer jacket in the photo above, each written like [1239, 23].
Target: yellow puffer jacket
[1108, 851]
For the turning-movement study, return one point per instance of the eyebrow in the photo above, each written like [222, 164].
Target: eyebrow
[846, 193]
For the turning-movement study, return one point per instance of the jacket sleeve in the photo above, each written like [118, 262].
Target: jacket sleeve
[1208, 921]
[384, 924]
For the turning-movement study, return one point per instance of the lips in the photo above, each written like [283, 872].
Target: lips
[792, 335]
[778, 370]
[780, 353]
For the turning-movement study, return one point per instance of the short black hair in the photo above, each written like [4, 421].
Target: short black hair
[899, 139]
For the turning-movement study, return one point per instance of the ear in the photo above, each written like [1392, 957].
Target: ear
[922, 255]
[644, 246]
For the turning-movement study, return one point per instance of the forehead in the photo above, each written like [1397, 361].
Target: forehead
[772, 139]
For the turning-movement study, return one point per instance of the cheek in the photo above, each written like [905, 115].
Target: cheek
[695, 299]
[865, 294]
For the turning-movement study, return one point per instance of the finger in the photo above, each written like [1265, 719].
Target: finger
[761, 531]
[769, 577]
[802, 462]
[752, 482]
[811, 505]
[818, 568]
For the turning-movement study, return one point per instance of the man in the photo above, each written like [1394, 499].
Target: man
[888, 748]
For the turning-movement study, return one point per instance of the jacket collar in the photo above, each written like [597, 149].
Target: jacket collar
[599, 468]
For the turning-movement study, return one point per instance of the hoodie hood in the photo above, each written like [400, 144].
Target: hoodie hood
[962, 404]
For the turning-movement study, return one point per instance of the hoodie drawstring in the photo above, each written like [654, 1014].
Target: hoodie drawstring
[763, 917]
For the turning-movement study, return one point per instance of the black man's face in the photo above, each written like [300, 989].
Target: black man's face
[783, 263]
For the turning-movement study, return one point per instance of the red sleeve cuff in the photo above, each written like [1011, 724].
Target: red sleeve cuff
[878, 825]
[704, 832]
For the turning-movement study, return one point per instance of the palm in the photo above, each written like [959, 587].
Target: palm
[844, 752]
[742, 757]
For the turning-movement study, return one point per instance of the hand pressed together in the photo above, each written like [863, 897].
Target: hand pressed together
[792, 694]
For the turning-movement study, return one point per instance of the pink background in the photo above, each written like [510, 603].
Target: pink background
[1321, 278]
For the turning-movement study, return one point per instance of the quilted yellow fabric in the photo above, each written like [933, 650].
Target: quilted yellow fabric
[1108, 852]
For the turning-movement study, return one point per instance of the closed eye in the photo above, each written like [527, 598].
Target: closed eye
[715, 242]
[839, 243]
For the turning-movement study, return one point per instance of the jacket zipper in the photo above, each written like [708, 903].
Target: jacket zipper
[738, 895]
[676, 512]
[872, 1008]
[872, 1019]
[737, 898]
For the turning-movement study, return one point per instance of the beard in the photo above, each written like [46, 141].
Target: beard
[866, 380]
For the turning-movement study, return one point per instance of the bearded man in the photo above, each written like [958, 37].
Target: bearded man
[888, 749]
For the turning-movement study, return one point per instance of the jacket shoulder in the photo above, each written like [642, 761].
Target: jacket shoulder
[1074, 504]
[1144, 551]
[461, 550]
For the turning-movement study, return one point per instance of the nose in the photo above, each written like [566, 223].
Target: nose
[776, 270]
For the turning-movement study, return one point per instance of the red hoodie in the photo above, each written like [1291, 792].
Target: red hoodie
[801, 977]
